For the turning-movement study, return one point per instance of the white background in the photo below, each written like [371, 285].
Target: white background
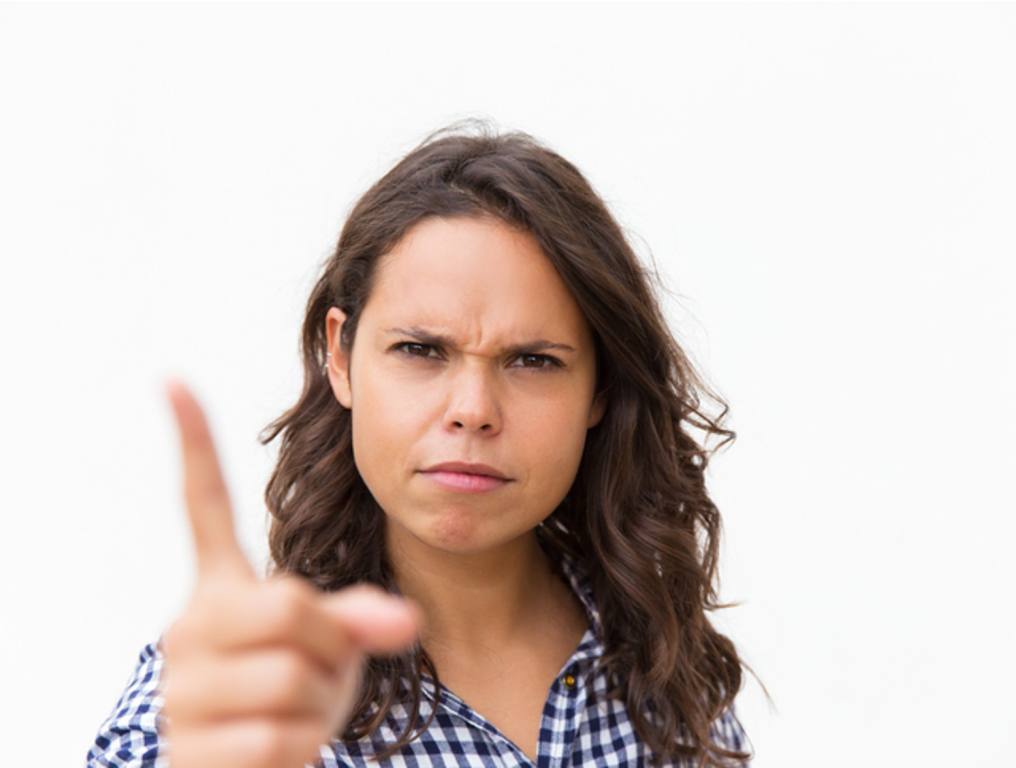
[829, 190]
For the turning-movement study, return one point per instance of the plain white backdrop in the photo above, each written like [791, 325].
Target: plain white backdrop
[828, 190]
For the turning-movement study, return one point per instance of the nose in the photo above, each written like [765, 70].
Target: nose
[473, 401]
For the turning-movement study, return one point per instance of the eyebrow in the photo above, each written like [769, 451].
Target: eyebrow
[438, 339]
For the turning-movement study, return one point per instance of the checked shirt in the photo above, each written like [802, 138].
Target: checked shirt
[580, 726]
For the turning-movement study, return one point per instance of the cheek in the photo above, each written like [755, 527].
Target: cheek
[553, 451]
[385, 428]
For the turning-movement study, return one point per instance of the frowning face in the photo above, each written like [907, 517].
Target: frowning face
[470, 349]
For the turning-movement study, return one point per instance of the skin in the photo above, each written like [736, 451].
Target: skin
[259, 673]
[472, 560]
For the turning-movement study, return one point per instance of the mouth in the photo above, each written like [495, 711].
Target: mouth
[468, 468]
[465, 482]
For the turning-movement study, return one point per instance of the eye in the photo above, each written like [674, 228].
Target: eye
[405, 345]
[551, 362]
[543, 362]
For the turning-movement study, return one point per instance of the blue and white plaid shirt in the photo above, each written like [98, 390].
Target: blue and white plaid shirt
[580, 727]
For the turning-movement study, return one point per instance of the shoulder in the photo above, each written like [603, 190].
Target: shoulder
[728, 732]
[128, 736]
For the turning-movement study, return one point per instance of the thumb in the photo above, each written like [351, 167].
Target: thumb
[374, 620]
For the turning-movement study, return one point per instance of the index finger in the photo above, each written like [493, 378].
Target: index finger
[206, 497]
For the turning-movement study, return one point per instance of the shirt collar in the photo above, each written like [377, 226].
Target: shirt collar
[579, 581]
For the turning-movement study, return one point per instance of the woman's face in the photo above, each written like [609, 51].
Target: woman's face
[415, 403]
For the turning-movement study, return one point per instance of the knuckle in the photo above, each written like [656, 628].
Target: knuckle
[174, 691]
[178, 638]
[366, 589]
[205, 609]
[292, 680]
[295, 587]
[190, 631]
[269, 742]
[286, 607]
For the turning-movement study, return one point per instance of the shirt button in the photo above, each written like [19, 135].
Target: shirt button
[569, 680]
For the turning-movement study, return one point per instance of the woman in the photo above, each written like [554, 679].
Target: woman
[486, 512]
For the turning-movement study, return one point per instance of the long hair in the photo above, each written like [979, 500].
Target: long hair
[638, 505]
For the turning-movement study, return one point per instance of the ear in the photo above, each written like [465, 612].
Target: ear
[598, 408]
[338, 363]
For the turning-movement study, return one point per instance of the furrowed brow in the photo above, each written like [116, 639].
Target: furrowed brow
[424, 336]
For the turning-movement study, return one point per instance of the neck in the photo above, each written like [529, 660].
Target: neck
[475, 602]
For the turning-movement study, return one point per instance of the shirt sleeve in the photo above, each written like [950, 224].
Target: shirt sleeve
[129, 736]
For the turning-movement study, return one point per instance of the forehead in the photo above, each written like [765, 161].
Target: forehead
[478, 276]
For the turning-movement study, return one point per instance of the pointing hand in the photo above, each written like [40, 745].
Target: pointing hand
[259, 672]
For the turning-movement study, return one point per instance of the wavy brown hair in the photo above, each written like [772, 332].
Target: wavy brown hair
[638, 506]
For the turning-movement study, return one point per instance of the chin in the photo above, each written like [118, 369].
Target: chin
[464, 532]
[462, 529]
[457, 531]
